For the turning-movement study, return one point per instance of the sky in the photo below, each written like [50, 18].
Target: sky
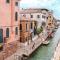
[49, 4]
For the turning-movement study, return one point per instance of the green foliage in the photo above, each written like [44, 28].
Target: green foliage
[39, 30]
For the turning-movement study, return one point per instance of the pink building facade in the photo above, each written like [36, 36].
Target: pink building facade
[9, 25]
[9, 19]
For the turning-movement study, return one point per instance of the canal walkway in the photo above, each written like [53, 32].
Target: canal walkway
[27, 50]
[35, 44]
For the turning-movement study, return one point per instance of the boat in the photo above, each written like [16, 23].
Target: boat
[46, 42]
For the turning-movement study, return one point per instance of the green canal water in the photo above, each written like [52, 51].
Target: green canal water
[45, 52]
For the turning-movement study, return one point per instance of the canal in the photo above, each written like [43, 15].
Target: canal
[45, 52]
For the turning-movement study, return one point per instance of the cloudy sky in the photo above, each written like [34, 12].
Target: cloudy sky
[50, 4]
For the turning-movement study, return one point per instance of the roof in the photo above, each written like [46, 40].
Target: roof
[32, 10]
[45, 9]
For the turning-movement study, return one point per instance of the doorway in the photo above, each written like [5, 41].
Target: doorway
[1, 39]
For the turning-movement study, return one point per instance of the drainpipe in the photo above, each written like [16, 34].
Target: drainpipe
[12, 16]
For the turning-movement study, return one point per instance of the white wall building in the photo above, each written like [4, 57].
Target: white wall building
[37, 14]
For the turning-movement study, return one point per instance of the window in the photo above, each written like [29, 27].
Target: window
[7, 32]
[44, 13]
[38, 16]
[16, 16]
[20, 27]
[31, 16]
[49, 24]
[16, 31]
[20, 39]
[7, 1]
[52, 21]
[26, 27]
[50, 16]
[16, 3]
[26, 39]
[31, 25]
[24, 15]
[47, 17]
[43, 16]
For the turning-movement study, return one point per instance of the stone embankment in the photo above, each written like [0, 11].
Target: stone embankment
[57, 53]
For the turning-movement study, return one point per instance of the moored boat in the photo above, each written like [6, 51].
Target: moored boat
[46, 42]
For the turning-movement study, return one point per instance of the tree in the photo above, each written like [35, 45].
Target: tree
[39, 30]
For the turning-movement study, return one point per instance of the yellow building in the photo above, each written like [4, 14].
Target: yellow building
[50, 24]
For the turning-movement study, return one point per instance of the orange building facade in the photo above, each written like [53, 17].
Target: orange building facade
[27, 29]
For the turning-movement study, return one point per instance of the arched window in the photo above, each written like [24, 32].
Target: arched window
[7, 32]
[8, 1]
[16, 16]
[16, 3]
